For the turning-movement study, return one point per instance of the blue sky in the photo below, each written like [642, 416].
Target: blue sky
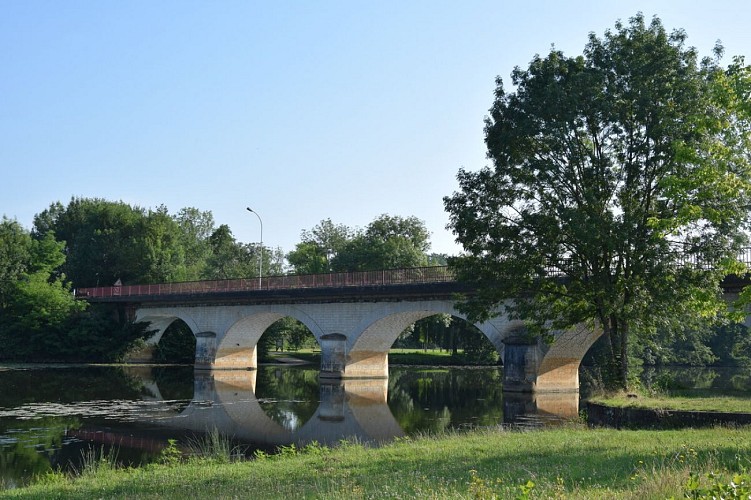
[301, 110]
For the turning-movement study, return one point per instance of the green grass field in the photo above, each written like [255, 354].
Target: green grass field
[572, 462]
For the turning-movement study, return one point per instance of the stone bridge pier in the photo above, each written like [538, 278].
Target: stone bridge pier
[532, 365]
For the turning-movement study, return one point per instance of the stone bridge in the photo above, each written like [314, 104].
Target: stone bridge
[355, 317]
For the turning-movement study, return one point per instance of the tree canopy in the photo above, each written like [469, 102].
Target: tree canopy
[388, 242]
[619, 189]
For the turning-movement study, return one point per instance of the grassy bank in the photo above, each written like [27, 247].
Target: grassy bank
[693, 401]
[561, 463]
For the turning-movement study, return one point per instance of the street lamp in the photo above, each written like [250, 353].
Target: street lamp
[260, 261]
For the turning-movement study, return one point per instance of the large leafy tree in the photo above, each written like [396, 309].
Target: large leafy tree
[614, 174]
[15, 255]
[105, 241]
[33, 299]
[40, 319]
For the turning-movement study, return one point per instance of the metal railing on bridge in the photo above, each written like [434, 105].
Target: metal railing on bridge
[406, 276]
[409, 276]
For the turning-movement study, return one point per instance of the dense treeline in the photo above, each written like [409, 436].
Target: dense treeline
[95, 242]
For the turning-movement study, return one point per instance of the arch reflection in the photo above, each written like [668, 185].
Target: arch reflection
[283, 406]
[226, 400]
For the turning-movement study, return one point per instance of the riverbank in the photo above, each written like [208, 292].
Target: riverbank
[572, 462]
[704, 401]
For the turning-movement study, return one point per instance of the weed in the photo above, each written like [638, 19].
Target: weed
[287, 451]
[479, 487]
[739, 485]
[315, 448]
[171, 455]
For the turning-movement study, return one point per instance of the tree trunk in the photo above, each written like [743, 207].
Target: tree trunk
[624, 355]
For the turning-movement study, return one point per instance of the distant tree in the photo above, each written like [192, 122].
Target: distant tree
[232, 259]
[228, 259]
[389, 242]
[609, 169]
[308, 258]
[318, 247]
[163, 248]
[196, 227]
[177, 344]
[438, 259]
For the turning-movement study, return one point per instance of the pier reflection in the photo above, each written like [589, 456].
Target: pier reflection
[227, 401]
[540, 409]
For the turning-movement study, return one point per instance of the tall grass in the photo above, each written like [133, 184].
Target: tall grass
[95, 461]
[215, 446]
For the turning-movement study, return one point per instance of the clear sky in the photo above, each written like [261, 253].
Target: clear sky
[301, 110]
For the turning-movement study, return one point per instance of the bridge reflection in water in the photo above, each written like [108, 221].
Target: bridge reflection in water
[351, 409]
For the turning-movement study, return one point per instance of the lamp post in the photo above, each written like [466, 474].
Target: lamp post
[260, 261]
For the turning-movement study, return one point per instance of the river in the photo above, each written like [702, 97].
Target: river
[53, 418]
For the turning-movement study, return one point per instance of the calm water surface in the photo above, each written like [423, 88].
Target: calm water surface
[51, 418]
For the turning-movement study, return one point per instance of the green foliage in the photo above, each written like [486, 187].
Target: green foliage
[445, 332]
[232, 259]
[15, 252]
[177, 345]
[389, 242]
[318, 247]
[738, 485]
[103, 240]
[196, 228]
[610, 171]
[171, 454]
[36, 303]
[285, 334]
[308, 258]
[95, 335]
[106, 241]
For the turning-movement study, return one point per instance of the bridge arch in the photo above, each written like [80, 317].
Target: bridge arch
[160, 322]
[368, 346]
[558, 369]
[237, 348]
